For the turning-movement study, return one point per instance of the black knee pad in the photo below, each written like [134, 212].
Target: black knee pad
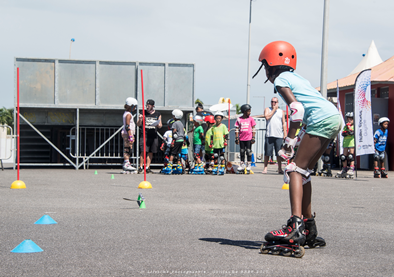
[249, 152]
[127, 150]
[325, 158]
[242, 152]
[350, 158]
[343, 158]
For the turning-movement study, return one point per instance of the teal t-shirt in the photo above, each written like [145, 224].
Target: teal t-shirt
[196, 135]
[315, 105]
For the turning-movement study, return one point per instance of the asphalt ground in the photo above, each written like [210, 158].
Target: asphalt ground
[192, 225]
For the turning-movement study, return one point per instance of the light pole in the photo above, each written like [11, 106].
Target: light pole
[324, 51]
[248, 82]
[71, 43]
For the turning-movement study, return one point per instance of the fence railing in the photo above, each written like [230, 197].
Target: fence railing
[6, 145]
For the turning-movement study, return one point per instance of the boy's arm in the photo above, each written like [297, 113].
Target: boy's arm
[128, 129]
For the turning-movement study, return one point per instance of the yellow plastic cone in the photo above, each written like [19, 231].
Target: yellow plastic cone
[145, 185]
[18, 184]
[285, 186]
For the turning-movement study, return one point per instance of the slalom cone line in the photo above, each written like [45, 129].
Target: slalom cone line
[45, 219]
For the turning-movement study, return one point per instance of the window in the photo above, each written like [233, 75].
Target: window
[384, 92]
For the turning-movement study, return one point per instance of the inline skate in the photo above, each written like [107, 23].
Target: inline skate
[312, 240]
[197, 169]
[215, 170]
[221, 169]
[383, 173]
[127, 168]
[178, 169]
[343, 173]
[241, 168]
[288, 240]
[326, 171]
[167, 169]
[350, 172]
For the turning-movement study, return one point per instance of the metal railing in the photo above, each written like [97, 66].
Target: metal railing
[96, 143]
[6, 145]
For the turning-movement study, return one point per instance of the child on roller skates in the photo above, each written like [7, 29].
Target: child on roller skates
[380, 140]
[326, 159]
[183, 161]
[218, 139]
[348, 148]
[178, 135]
[166, 145]
[323, 123]
[128, 133]
[245, 132]
[209, 163]
[198, 136]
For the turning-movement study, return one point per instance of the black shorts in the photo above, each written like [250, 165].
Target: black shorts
[152, 144]
[176, 149]
[270, 144]
[219, 151]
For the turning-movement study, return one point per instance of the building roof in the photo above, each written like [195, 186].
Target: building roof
[383, 72]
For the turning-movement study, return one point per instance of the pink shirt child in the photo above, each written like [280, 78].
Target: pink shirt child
[245, 128]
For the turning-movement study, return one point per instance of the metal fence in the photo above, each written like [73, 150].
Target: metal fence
[6, 150]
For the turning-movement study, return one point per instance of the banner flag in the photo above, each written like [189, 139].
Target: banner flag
[363, 129]
[340, 137]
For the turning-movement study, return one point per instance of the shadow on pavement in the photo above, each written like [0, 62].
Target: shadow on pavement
[240, 243]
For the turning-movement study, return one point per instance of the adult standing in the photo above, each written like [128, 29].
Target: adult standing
[152, 123]
[200, 111]
[276, 132]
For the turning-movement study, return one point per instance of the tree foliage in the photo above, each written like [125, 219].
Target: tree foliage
[7, 116]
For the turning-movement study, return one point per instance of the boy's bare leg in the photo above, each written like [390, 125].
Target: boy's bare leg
[265, 164]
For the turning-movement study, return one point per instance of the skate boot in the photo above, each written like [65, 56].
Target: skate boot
[168, 169]
[376, 172]
[288, 240]
[312, 240]
[215, 170]
[198, 169]
[221, 169]
[350, 173]
[241, 167]
[248, 168]
[329, 173]
[342, 174]
[140, 170]
[127, 166]
[323, 171]
[384, 173]
[177, 169]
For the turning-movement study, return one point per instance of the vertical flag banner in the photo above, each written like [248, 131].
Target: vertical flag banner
[363, 129]
[340, 137]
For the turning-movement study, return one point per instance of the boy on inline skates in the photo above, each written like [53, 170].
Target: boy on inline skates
[380, 139]
[166, 145]
[198, 136]
[348, 148]
[218, 139]
[128, 132]
[178, 135]
[209, 119]
[245, 132]
[323, 123]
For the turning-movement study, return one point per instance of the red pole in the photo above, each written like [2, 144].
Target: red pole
[18, 130]
[143, 122]
[229, 115]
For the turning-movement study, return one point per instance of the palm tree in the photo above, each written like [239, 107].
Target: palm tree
[237, 109]
[198, 101]
[7, 116]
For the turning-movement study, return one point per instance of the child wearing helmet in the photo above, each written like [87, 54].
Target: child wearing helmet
[245, 136]
[323, 122]
[165, 147]
[178, 135]
[380, 140]
[128, 132]
[210, 120]
[347, 157]
[218, 138]
[198, 136]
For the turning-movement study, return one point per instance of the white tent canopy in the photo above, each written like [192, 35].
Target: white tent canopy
[371, 59]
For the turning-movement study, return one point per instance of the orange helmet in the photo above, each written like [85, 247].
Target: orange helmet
[210, 119]
[279, 53]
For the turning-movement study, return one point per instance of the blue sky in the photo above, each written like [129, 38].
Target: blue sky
[212, 34]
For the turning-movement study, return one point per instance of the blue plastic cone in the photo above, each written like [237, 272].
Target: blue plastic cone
[46, 219]
[27, 246]
[253, 164]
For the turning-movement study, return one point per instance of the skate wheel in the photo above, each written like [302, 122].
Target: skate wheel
[299, 252]
[286, 253]
[263, 249]
[275, 252]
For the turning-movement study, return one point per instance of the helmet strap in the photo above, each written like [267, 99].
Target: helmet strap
[262, 63]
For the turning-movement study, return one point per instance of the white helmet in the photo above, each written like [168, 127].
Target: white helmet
[383, 119]
[219, 113]
[177, 113]
[130, 101]
[198, 119]
[349, 114]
